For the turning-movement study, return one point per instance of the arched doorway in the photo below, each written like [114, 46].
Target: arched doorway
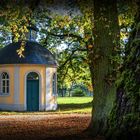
[32, 97]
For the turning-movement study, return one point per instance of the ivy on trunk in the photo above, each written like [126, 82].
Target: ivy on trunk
[124, 121]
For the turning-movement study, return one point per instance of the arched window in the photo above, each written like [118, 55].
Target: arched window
[5, 83]
[32, 76]
[54, 85]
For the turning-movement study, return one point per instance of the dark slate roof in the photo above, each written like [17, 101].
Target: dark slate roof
[34, 54]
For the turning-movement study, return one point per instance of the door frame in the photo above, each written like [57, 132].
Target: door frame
[25, 89]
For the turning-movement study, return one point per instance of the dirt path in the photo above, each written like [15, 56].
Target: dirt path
[44, 127]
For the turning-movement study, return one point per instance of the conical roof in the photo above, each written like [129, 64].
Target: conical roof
[34, 54]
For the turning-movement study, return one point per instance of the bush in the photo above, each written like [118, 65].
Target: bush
[78, 93]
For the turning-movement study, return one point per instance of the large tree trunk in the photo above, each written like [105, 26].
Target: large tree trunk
[124, 121]
[106, 33]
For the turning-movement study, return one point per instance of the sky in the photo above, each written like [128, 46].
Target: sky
[62, 7]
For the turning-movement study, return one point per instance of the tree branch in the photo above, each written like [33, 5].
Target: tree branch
[66, 35]
[70, 57]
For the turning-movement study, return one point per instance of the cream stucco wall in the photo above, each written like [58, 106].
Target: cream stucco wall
[16, 100]
[51, 102]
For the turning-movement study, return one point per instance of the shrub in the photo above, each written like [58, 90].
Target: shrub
[78, 93]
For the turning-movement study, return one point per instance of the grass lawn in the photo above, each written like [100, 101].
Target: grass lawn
[65, 105]
[74, 104]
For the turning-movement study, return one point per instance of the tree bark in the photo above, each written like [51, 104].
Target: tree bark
[124, 121]
[106, 31]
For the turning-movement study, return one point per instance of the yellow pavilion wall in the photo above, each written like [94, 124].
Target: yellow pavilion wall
[10, 103]
[8, 99]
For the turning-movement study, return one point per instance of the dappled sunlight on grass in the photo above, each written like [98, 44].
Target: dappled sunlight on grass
[75, 104]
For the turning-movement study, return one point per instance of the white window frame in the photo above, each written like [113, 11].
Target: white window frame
[7, 87]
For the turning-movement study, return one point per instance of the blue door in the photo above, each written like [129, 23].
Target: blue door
[32, 92]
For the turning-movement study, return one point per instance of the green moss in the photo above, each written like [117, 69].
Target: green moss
[138, 26]
[135, 43]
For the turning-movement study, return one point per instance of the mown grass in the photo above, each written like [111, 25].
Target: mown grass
[74, 104]
[65, 105]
